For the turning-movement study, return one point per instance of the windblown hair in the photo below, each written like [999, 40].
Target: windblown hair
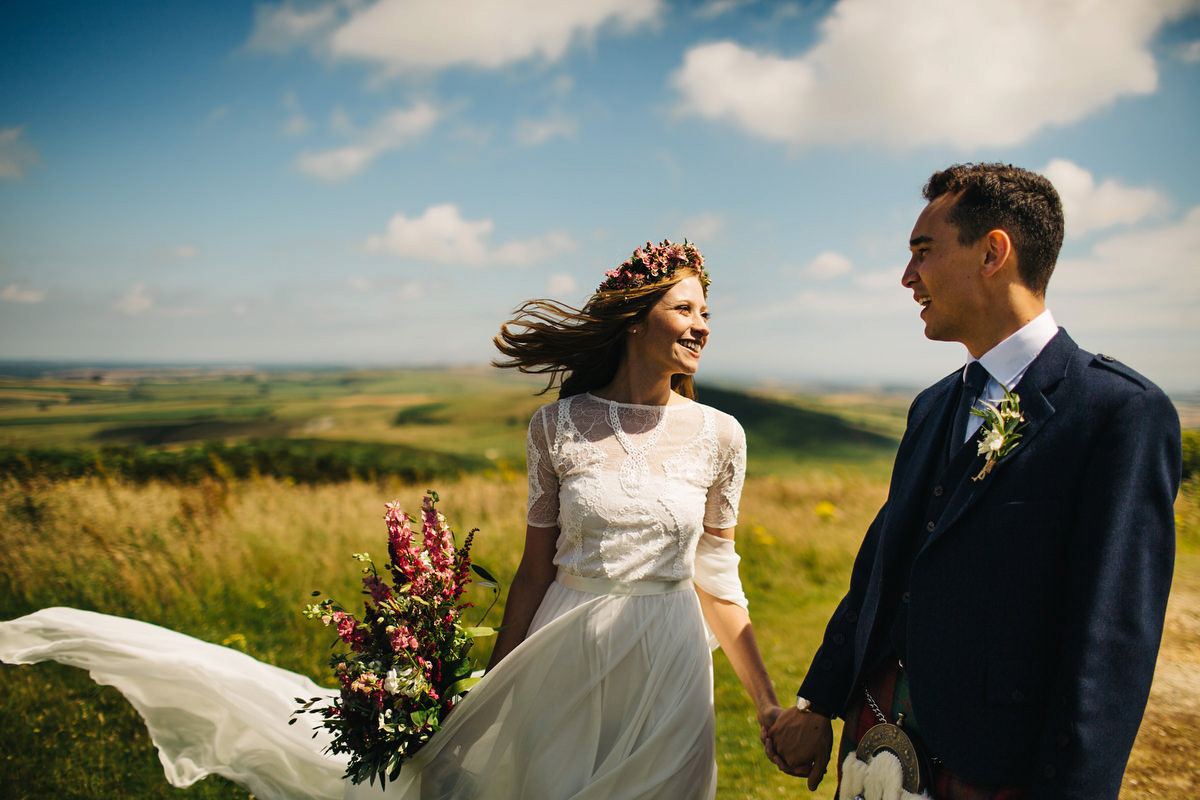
[582, 349]
[1022, 203]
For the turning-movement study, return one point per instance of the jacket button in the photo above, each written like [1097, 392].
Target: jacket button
[937, 491]
[1017, 695]
[929, 526]
[851, 616]
[839, 638]
[904, 598]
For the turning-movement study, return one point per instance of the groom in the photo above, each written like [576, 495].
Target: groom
[1008, 605]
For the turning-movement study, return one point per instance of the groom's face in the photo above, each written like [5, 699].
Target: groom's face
[944, 276]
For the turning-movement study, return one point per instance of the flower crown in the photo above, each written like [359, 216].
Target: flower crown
[653, 263]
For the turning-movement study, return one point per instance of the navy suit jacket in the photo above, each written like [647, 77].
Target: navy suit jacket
[1035, 597]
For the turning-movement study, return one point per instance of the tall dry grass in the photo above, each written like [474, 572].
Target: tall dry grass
[234, 562]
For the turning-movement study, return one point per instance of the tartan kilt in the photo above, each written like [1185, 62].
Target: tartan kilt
[889, 686]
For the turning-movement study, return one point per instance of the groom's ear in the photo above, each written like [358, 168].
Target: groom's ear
[998, 252]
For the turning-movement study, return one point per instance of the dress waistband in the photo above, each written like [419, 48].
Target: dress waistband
[605, 586]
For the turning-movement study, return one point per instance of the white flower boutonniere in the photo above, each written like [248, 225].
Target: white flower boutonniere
[1002, 424]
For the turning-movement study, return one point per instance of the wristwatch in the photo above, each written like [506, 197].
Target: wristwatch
[804, 705]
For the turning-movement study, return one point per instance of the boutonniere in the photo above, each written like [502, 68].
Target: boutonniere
[1002, 424]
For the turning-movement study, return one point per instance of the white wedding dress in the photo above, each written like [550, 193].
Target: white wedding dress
[608, 698]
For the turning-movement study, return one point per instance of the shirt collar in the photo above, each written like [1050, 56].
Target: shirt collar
[1006, 362]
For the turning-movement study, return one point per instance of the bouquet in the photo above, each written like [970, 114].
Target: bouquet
[407, 661]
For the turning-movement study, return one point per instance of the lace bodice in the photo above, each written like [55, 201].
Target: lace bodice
[631, 487]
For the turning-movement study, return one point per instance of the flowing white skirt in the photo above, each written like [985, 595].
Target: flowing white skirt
[608, 698]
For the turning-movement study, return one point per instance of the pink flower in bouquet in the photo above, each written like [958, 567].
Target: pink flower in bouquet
[366, 683]
[377, 588]
[409, 655]
[402, 638]
[439, 544]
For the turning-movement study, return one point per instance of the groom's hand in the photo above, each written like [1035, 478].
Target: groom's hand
[799, 743]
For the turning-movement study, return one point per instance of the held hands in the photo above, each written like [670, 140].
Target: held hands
[800, 743]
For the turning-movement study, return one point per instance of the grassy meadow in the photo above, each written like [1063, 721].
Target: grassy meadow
[232, 558]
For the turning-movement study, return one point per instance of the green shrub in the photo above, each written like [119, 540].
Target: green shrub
[309, 461]
[1191, 453]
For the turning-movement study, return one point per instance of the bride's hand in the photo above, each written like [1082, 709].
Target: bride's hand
[766, 718]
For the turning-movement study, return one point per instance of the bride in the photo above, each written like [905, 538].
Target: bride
[600, 685]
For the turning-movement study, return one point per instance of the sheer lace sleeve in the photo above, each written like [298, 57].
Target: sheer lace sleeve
[721, 505]
[542, 511]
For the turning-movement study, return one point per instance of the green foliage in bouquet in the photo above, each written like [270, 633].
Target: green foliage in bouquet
[408, 657]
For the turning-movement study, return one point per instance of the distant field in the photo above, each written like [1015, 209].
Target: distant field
[477, 414]
[232, 560]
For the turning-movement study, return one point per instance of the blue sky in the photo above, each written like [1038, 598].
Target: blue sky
[381, 183]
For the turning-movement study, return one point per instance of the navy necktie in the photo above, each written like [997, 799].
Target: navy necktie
[972, 388]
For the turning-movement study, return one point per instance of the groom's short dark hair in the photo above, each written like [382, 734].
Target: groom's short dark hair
[1022, 203]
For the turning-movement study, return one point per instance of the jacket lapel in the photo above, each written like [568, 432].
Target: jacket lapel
[1039, 381]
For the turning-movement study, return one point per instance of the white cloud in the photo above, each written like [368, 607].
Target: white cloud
[716, 8]
[405, 35]
[134, 302]
[16, 293]
[441, 235]
[281, 28]
[702, 228]
[531, 132]
[339, 123]
[1135, 296]
[561, 285]
[842, 308]
[297, 123]
[1089, 206]
[882, 280]
[411, 290]
[1159, 260]
[394, 130]
[217, 114]
[1191, 52]
[16, 156]
[562, 86]
[532, 251]
[909, 73]
[828, 265]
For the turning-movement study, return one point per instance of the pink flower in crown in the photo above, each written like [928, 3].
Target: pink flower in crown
[652, 263]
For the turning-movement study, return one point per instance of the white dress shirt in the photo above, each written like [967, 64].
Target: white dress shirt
[1006, 362]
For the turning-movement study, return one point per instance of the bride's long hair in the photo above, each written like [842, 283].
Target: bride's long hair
[582, 349]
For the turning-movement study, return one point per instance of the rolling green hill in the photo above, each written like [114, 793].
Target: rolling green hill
[332, 425]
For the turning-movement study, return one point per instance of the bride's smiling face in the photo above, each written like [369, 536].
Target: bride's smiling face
[673, 332]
